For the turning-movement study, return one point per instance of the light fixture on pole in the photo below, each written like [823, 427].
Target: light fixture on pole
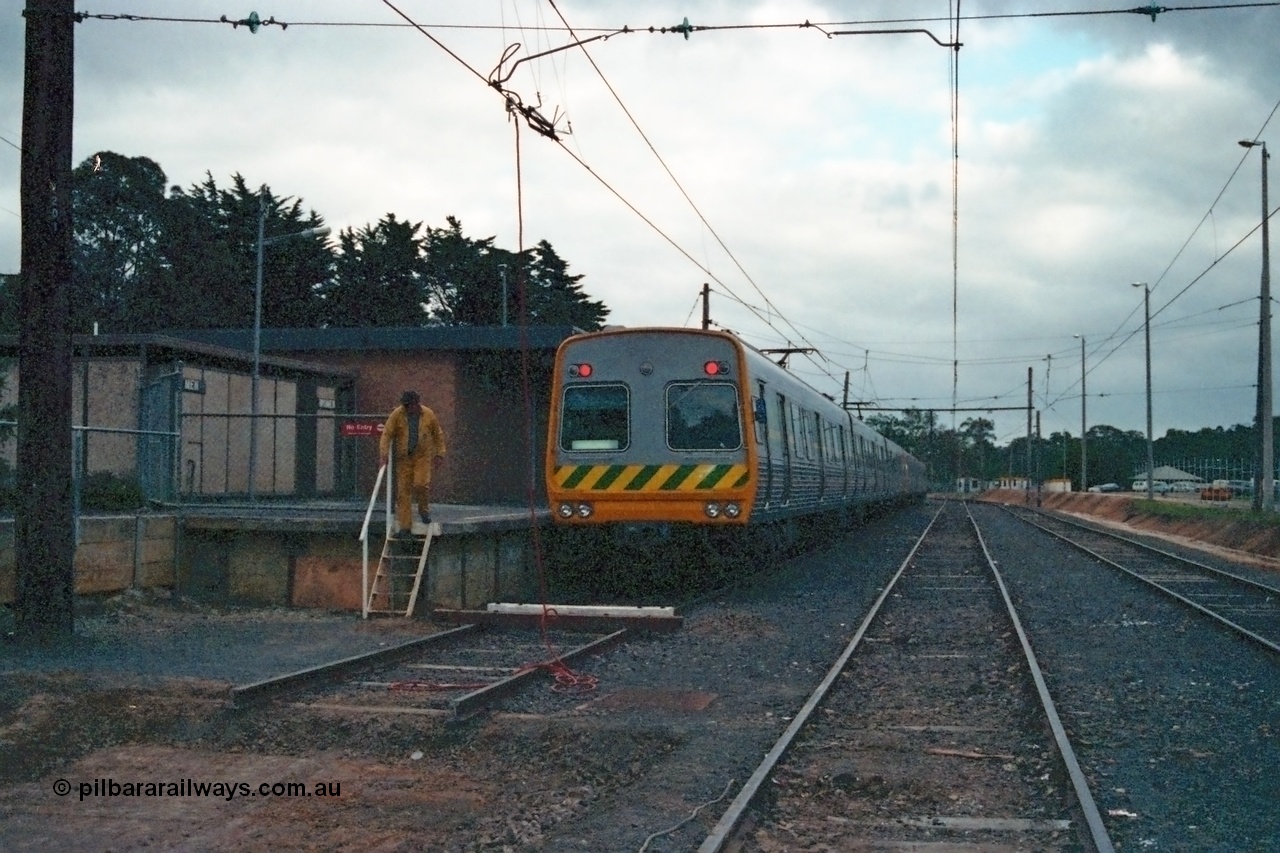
[502, 271]
[1146, 307]
[1264, 488]
[1084, 452]
[263, 242]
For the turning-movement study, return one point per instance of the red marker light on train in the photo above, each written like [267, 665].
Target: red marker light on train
[715, 368]
[582, 371]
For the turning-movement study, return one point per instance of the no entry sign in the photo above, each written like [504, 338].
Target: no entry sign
[352, 429]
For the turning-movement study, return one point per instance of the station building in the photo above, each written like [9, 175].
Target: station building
[173, 412]
[474, 379]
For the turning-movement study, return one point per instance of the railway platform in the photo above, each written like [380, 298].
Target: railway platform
[317, 553]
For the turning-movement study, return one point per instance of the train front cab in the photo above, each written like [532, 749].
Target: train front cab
[648, 427]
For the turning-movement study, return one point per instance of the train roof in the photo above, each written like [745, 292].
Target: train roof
[751, 349]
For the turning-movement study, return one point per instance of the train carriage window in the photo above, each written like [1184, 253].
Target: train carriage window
[703, 416]
[595, 417]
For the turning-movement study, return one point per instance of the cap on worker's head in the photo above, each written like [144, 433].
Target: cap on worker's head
[409, 398]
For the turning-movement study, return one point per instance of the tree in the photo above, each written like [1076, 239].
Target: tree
[117, 207]
[379, 276]
[910, 431]
[916, 431]
[977, 437]
[1115, 454]
[555, 298]
[467, 278]
[463, 277]
[212, 259]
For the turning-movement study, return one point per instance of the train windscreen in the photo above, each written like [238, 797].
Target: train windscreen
[703, 416]
[595, 417]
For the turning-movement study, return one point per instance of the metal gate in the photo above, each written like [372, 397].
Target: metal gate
[158, 417]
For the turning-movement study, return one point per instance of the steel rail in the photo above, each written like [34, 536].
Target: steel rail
[470, 703]
[1212, 614]
[326, 672]
[720, 833]
[1093, 818]
[1137, 543]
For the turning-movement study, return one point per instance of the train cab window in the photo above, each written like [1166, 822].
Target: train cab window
[595, 417]
[703, 416]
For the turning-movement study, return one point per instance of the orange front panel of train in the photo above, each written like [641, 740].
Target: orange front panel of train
[667, 492]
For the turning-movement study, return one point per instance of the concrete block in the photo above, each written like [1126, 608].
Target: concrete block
[156, 573]
[327, 582]
[106, 528]
[158, 526]
[442, 586]
[258, 569]
[515, 578]
[104, 566]
[480, 580]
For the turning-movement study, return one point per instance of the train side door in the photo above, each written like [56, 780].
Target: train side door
[820, 450]
[845, 462]
[786, 448]
[764, 447]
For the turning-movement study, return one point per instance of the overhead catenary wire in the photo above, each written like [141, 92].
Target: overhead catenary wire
[1197, 278]
[676, 181]
[954, 18]
[1150, 10]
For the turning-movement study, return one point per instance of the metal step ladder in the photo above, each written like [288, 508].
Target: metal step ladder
[398, 578]
[392, 588]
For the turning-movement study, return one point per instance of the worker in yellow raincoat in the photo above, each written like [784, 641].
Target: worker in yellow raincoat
[413, 439]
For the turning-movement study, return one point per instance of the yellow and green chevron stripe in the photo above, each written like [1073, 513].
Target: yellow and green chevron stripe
[623, 479]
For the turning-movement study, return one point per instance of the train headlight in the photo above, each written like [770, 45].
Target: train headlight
[712, 510]
[584, 510]
[732, 510]
[565, 510]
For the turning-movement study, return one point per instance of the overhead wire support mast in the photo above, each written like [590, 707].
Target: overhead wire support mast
[537, 122]
[497, 81]
[954, 45]
[787, 352]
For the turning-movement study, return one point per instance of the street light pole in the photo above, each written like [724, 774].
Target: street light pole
[502, 271]
[1264, 488]
[263, 242]
[1146, 307]
[1084, 452]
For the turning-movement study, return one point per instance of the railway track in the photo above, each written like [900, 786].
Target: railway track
[934, 726]
[1246, 606]
[456, 673]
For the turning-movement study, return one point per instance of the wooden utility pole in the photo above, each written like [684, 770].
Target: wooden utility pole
[44, 535]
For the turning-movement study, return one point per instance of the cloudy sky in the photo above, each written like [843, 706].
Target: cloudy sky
[806, 176]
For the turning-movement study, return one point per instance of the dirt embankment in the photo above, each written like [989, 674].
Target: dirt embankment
[1234, 538]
